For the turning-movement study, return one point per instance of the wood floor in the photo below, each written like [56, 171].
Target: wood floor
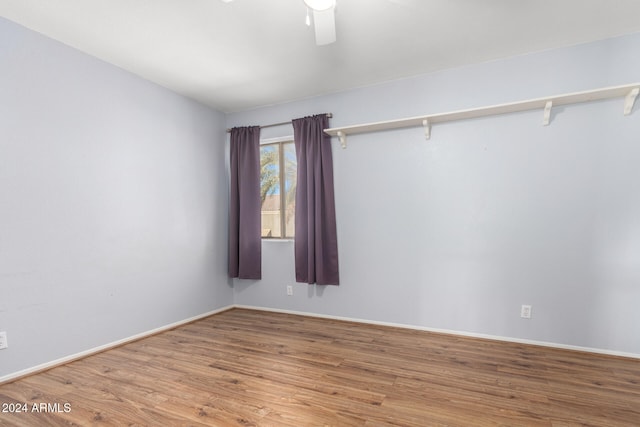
[251, 368]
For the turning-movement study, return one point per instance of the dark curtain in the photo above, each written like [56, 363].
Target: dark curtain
[245, 244]
[316, 241]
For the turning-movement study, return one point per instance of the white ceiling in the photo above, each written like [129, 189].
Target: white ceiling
[248, 53]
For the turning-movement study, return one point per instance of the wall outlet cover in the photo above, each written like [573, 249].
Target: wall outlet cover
[525, 312]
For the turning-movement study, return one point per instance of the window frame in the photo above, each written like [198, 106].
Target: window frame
[279, 141]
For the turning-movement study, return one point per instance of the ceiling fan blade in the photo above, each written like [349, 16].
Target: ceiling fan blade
[325, 26]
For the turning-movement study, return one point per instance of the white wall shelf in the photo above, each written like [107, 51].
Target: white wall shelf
[629, 92]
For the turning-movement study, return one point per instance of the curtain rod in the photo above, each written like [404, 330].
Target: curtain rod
[330, 115]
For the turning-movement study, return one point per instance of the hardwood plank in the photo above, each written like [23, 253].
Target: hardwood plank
[253, 368]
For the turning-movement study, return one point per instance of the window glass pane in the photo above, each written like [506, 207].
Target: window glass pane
[290, 177]
[270, 190]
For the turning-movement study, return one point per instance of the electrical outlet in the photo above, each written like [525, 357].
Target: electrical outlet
[525, 312]
[289, 290]
[3, 340]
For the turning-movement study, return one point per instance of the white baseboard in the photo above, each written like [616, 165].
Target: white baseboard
[46, 366]
[450, 332]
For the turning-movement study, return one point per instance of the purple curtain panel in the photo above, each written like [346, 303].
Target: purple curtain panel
[245, 245]
[316, 240]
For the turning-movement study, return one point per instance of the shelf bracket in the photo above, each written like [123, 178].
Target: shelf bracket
[343, 139]
[630, 100]
[546, 119]
[427, 129]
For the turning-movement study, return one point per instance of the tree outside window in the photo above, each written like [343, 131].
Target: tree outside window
[278, 169]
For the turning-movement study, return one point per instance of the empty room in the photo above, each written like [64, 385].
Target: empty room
[320, 212]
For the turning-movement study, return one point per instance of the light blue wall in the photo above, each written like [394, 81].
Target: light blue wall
[113, 203]
[457, 232]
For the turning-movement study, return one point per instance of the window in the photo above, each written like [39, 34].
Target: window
[278, 170]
